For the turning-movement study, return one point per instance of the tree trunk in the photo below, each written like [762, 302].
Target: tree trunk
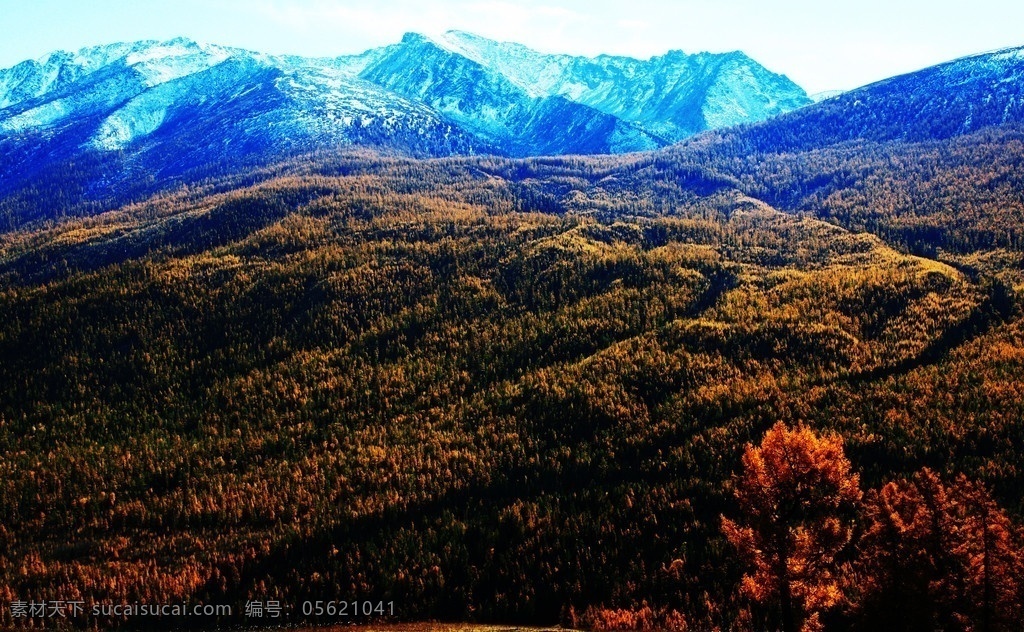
[787, 611]
[786, 602]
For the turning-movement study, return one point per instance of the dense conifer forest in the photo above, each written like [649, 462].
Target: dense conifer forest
[712, 387]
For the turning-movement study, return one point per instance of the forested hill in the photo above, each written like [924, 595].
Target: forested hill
[449, 383]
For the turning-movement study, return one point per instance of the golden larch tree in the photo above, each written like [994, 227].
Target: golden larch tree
[798, 500]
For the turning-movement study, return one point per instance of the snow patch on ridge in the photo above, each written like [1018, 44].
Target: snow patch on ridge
[142, 116]
[1015, 54]
[41, 116]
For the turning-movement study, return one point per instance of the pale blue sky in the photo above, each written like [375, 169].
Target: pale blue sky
[820, 45]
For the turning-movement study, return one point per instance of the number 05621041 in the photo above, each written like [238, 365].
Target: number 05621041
[336, 608]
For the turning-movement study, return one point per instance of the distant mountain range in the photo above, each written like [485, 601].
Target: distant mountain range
[83, 132]
[455, 94]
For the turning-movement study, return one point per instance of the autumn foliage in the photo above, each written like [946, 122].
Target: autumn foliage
[939, 556]
[917, 554]
[798, 499]
[503, 390]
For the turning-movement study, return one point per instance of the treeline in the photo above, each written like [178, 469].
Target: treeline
[958, 195]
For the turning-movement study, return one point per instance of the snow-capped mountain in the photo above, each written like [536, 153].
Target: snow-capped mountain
[672, 96]
[106, 118]
[514, 99]
[483, 98]
[127, 93]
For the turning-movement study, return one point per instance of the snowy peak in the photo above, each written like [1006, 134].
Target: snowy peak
[531, 71]
[123, 83]
[155, 61]
[670, 96]
[475, 89]
[160, 62]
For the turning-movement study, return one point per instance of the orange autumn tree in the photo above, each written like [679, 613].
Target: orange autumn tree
[939, 556]
[798, 500]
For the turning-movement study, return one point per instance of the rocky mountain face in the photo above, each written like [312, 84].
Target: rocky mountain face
[671, 97]
[497, 107]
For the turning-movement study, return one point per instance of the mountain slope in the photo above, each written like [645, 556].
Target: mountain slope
[930, 161]
[943, 101]
[498, 109]
[671, 96]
